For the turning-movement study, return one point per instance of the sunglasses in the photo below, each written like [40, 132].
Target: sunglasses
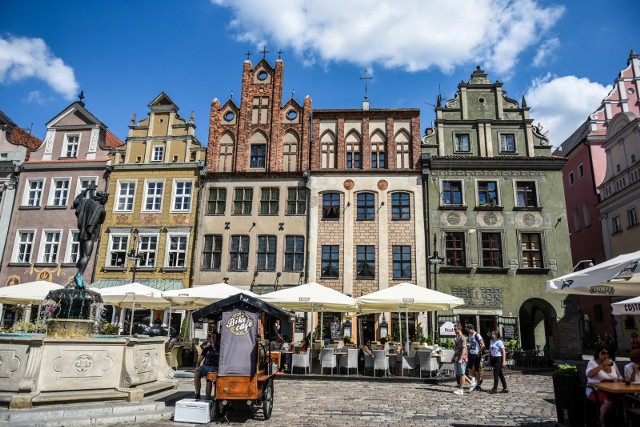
[604, 352]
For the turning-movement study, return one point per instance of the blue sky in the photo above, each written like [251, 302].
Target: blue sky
[562, 55]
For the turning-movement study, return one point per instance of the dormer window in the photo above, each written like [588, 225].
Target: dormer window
[462, 144]
[507, 143]
[158, 153]
[71, 146]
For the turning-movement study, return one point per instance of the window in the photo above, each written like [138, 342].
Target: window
[290, 152]
[267, 253]
[126, 193]
[212, 252]
[217, 201]
[153, 196]
[462, 144]
[455, 254]
[328, 149]
[225, 162]
[239, 254]
[258, 156]
[242, 200]
[177, 251]
[633, 158]
[632, 218]
[452, 192]
[400, 206]
[34, 193]
[330, 266]
[378, 151]
[366, 206]
[293, 253]
[401, 261]
[50, 247]
[491, 250]
[117, 256]
[576, 220]
[508, 142]
[353, 151]
[84, 183]
[488, 193]
[330, 206]
[615, 224]
[531, 248]
[60, 192]
[296, 201]
[571, 178]
[24, 246]
[366, 262]
[580, 171]
[71, 146]
[260, 113]
[182, 196]
[526, 194]
[73, 247]
[158, 153]
[586, 213]
[269, 200]
[403, 151]
[148, 249]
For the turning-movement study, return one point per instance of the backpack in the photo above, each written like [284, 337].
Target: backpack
[475, 338]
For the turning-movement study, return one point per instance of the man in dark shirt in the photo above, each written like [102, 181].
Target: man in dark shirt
[207, 362]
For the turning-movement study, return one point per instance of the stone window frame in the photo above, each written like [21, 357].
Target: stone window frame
[266, 252]
[182, 202]
[482, 249]
[294, 253]
[269, 206]
[365, 261]
[378, 150]
[632, 217]
[517, 183]
[125, 199]
[456, 142]
[157, 153]
[181, 252]
[502, 147]
[616, 225]
[451, 247]
[216, 202]
[71, 148]
[53, 197]
[461, 191]
[88, 180]
[243, 198]
[479, 192]
[329, 256]
[123, 246]
[541, 251]
[299, 205]
[212, 252]
[143, 248]
[49, 249]
[31, 193]
[18, 253]
[153, 198]
[72, 250]
[241, 255]
[328, 150]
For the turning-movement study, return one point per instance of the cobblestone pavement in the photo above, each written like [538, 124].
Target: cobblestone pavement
[363, 403]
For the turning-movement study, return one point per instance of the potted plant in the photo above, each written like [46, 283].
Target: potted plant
[346, 339]
[568, 398]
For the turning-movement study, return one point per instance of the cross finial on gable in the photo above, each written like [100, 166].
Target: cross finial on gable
[280, 52]
[248, 55]
[81, 96]
[264, 52]
[366, 86]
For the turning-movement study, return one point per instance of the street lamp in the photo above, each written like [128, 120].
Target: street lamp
[434, 261]
[135, 255]
[384, 327]
[584, 261]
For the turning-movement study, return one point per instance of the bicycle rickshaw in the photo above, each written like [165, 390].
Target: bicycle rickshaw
[246, 368]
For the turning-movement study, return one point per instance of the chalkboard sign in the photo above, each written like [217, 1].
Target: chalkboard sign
[509, 332]
[300, 326]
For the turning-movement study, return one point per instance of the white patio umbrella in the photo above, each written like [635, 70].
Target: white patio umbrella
[27, 293]
[200, 296]
[629, 306]
[619, 276]
[406, 297]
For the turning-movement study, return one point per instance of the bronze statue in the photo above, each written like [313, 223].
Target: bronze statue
[89, 206]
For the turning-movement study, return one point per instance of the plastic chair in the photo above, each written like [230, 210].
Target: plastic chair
[380, 362]
[368, 362]
[447, 364]
[327, 360]
[427, 363]
[351, 360]
[300, 360]
[409, 363]
[172, 357]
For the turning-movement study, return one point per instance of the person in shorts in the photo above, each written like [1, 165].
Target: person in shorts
[476, 346]
[207, 363]
[460, 358]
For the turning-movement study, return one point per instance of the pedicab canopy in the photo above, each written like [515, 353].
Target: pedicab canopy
[238, 316]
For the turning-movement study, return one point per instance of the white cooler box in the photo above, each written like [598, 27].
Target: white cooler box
[193, 411]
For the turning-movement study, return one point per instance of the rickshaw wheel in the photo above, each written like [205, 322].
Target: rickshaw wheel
[219, 409]
[267, 399]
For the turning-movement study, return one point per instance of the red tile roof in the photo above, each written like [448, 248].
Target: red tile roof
[20, 136]
[98, 159]
[112, 141]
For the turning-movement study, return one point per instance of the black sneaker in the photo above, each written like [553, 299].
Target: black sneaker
[477, 388]
[505, 390]
[493, 391]
[197, 397]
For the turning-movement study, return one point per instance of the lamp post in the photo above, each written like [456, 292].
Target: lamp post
[434, 261]
[133, 310]
[135, 255]
[384, 327]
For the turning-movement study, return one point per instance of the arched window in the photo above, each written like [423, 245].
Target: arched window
[353, 151]
[258, 158]
[290, 152]
[328, 147]
[378, 151]
[225, 162]
[403, 151]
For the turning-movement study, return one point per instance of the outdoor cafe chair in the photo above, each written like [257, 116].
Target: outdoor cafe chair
[447, 364]
[380, 362]
[368, 363]
[327, 360]
[300, 360]
[427, 363]
[351, 359]
[409, 363]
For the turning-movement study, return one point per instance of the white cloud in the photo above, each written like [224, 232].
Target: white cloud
[412, 35]
[23, 58]
[546, 52]
[562, 104]
[36, 97]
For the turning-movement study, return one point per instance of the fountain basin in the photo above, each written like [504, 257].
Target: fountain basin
[38, 369]
[70, 328]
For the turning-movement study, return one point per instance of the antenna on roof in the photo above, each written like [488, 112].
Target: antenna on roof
[366, 83]
[293, 93]
[231, 96]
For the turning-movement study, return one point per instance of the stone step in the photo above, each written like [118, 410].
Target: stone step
[157, 415]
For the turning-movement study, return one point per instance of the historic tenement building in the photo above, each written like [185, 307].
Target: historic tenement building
[497, 216]
[149, 231]
[366, 218]
[253, 231]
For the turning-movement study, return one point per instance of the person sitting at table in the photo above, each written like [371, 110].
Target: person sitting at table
[276, 344]
[286, 359]
[631, 370]
[305, 345]
[177, 340]
[366, 348]
[601, 369]
[209, 359]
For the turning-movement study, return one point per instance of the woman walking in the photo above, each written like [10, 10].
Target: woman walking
[498, 361]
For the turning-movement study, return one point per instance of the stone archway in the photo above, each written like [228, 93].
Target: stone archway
[536, 319]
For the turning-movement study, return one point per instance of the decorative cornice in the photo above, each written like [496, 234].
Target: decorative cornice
[506, 163]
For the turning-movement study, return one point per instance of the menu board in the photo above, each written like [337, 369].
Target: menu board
[509, 332]
[300, 324]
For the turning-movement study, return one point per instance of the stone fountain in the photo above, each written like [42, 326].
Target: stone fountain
[70, 363]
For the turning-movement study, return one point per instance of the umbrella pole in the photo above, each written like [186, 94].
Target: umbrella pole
[310, 350]
[406, 319]
[400, 325]
[133, 310]
[169, 323]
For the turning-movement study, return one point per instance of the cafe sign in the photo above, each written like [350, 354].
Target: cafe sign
[239, 324]
[447, 329]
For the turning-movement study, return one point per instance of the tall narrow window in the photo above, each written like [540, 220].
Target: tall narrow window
[34, 193]
[330, 265]
[148, 249]
[366, 206]
[632, 218]
[401, 261]
[260, 114]
[25, 246]
[153, 196]
[571, 178]
[50, 247]
[71, 146]
[117, 255]
[366, 262]
[182, 196]
[73, 247]
[455, 254]
[60, 195]
[400, 206]
[225, 161]
[294, 253]
[239, 253]
[403, 151]
[177, 251]
[353, 151]
[242, 199]
[267, 247]
[331, 206]
[508, 142]
[217, 201]
[452, 193]
[157, 154]
[126, 192]
[328, 151]
[488, 193]
[290, 152]
[269, 201]
[461, 143]
[378, 151]
[531, 250]
[526, 194]
[296, 201]
[212, 252]
[615, 224]
[491, 250]
[258, 156]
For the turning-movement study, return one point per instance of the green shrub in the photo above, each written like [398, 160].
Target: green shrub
[568, 370]
[30, 327]
[346, 339]
[106, 328]
[512, 345]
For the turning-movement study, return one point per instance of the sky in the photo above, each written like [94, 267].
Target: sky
[562, 55]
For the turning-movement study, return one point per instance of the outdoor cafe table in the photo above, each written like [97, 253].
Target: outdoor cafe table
[341, 356]
[618, 388]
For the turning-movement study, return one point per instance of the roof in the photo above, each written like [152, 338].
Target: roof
[112, 141]
[20, 136]
[240, 300]
[159, 284]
